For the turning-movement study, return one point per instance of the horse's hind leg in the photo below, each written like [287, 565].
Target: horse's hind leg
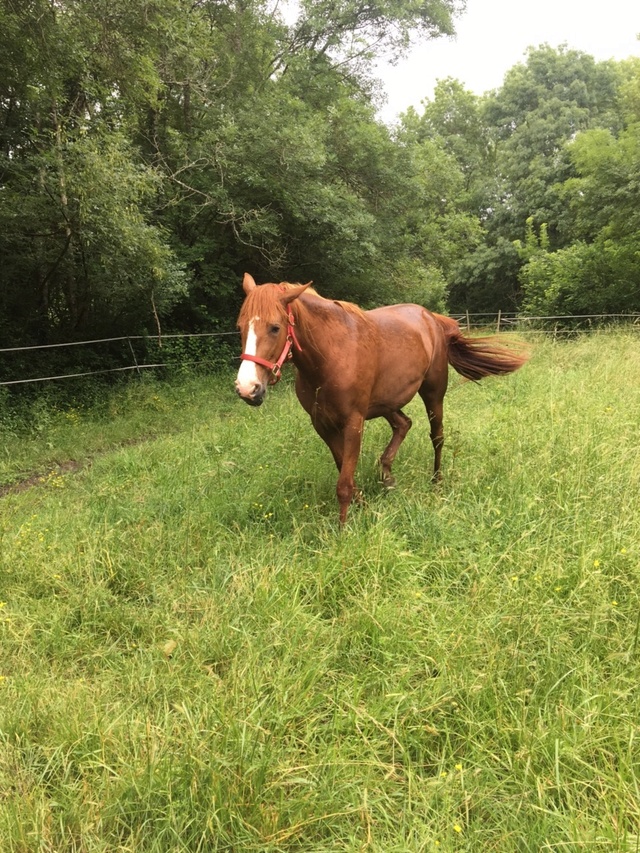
[433, 404]
[400, 424]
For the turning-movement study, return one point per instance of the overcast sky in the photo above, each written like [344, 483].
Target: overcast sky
[493, 35]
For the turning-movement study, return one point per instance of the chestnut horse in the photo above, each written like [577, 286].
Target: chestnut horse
[354, 365]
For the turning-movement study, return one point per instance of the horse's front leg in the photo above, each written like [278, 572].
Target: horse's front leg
[351, 444]
[400, 424]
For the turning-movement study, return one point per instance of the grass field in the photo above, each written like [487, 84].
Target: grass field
[195, 658]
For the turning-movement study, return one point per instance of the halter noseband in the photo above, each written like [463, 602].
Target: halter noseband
[276, 366]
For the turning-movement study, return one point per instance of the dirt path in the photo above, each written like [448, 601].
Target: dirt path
[39, 477]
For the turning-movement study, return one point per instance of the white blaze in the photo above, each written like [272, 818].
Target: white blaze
[248, 375]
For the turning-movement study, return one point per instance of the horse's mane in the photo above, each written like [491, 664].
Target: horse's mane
[317, 324]
[262, 300]
[349, 307]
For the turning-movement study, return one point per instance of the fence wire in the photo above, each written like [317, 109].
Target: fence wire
[137, 366]
[499, 322]
[111, 340]
[548, 325]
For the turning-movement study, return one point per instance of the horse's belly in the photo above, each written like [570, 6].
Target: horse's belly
[398, 381]
[393, 393]
[383, 409]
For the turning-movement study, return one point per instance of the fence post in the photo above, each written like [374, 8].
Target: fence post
[468, 321]
[499, 318]
[135, 360]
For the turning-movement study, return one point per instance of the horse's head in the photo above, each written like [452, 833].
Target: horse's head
[266, 325]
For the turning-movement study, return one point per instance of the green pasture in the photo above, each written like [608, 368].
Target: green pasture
[194, 657]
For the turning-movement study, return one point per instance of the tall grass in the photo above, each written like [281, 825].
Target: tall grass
[195, 658]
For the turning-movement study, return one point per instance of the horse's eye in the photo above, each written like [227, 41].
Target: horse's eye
[274, 329]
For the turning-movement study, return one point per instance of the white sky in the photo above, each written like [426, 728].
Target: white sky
[493, 35]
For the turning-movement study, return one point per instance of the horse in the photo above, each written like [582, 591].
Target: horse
[353, 365]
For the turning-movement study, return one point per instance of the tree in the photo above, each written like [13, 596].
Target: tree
[453, 118]
[80, 250]
[598, 272]
[541, 106]
[513, 146]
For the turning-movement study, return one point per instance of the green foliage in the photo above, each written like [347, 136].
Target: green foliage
[454, 118]
[101, 262]
[599, 271]
[190, 355]
[512, 148]
[81, 254]
[356, 29]
[150, 153]
[606, 192]
[584, 278]
[487, 279]
[412, 281]
[140, 176]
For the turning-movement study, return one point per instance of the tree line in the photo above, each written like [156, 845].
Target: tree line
[151, 151]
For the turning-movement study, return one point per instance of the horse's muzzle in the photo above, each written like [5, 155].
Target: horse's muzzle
[254, 399]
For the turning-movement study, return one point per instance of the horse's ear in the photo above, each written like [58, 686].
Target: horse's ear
[294, 292]
[248, 283]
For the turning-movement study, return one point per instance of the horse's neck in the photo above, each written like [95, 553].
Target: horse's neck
[320, 324]
[318, 320]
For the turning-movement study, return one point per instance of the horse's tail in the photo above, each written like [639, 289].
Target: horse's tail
[475, 358]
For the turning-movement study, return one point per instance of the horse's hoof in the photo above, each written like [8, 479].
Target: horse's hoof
[389, 482]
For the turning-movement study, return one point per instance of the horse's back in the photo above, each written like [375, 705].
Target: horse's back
[410, 326]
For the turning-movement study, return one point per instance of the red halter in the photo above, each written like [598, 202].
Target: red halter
[276, 366]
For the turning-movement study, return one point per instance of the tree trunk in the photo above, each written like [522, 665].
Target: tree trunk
[69, 281]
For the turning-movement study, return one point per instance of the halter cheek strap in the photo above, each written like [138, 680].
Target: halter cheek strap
[276, 366]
